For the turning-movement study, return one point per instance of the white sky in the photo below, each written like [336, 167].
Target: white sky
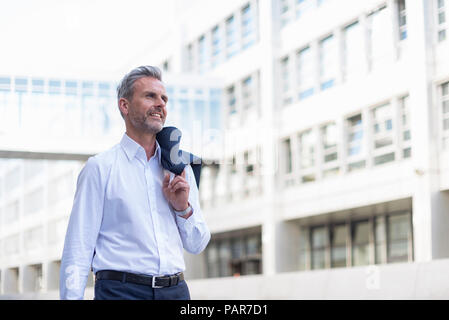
[93, 38]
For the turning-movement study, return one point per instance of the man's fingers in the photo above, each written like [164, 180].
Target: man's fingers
[180, 184]
[176, 179]
[166, 180]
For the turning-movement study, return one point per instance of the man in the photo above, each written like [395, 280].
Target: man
[129, 221]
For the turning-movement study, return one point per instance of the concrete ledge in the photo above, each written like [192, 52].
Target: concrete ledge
[426, 280]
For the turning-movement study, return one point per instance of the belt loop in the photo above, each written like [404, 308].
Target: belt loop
[124, 277]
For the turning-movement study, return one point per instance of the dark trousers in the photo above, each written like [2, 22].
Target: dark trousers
[119, 290]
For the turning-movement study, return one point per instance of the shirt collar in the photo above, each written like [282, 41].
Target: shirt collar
[131, 147]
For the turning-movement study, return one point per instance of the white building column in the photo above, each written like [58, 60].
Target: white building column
[430, 217]
[268, 14]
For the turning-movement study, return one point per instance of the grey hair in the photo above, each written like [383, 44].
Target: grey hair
[125, 89]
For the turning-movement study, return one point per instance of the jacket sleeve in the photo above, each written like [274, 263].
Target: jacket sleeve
[195, 234]
[82, 231]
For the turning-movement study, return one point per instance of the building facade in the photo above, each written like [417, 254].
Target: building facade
[343, 164]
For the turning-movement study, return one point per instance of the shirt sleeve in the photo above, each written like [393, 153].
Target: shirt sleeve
[82, 232]
[195, 234]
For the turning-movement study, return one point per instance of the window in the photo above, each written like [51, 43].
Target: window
[353, 51]
[216, 45]
[329, 138]
[212, 260]
[380, 38]
[402, 19]
[248, 93]
[104, 89]
[405, 126]
[377, 239]
[230, 93]
[88, 89]
[307, 143]
[338, 246]
[54, 86]
[303, 6]
[202, 54]
[285, 81]
[441, 20]
[328, 62]
[319, 245]
[37, 86]
[380, 235]
[234, 255]
[71, 88]
[445, 114]
[383, 148]
[303, 248]
[190, 61]
[287, 156]
[399, 237]
[305, 71]
[285, 12]
[231, 37]
[248, 27]
[21, 85]
[355, 151]
[360, 243]
[5, 84]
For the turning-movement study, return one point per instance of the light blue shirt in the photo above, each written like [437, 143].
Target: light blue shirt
[121, 221]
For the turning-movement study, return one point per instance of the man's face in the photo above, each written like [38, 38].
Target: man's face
[147, 109]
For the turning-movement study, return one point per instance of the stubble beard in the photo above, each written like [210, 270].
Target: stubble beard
[143, 124]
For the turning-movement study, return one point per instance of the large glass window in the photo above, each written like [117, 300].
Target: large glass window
[285, 12]
[380, 235]
[319, 240]
[445, 113]
[383, 149]
[234, 255]
[231, 98]
[380, 38]
[405, 127]
[231, 37]
[307, 153]
[355, 143]
[248, 27]
[285, 81]
[378, 239]
[216, 45]
[287, 156]
[360, 243]
[329, 139]
[441, 20]
[248, 92]
[328, 62]
[399, 235]
[303, 6]
[402, 19]
[190, 58]
[354, 53]
[202, 56]
[305, 72]
[338, 243]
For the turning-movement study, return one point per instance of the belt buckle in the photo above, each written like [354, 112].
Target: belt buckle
[153, 282]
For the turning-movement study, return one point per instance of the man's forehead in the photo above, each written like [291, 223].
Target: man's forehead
[147, 83]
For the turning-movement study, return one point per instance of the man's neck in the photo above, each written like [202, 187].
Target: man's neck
[146, 140]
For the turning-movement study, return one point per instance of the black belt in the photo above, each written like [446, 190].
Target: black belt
[153, 281]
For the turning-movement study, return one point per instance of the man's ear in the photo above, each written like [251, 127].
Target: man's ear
[123, 106]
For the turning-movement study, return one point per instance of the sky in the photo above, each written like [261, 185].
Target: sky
[93, 38]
